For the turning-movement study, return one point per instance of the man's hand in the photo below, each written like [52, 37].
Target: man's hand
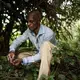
[11, 57]
[17, 62]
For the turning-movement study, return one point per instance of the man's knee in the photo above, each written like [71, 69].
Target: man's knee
[46, 44]
[20, 56]
[25, 54]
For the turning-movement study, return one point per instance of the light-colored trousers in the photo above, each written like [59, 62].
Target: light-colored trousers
[46, 56]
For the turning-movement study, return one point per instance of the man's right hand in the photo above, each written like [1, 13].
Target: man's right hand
[11, 57]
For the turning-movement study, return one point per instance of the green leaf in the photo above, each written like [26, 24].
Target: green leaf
[61, 77]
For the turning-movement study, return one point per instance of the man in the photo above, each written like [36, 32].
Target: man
[44, 40]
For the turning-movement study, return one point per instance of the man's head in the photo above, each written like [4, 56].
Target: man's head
[34, 18]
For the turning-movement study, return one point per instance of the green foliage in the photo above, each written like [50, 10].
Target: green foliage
[65, 65]
[66, 60]
[9, 72]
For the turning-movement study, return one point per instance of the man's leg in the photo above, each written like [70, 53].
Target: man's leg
[25, 54]
[46, 56]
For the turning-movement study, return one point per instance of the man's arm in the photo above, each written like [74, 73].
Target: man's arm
[31, 59]
[18, 41]
[15, 44]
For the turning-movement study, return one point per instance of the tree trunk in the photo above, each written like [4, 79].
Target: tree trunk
[5, 37]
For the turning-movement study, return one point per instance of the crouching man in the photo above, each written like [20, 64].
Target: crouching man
[42, 37]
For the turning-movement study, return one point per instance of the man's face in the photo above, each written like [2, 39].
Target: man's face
[32, 22]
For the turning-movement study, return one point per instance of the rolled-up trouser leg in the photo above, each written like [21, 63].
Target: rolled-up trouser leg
[46, 56]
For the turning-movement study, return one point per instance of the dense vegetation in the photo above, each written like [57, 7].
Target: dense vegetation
[65, 64]
[62, 17]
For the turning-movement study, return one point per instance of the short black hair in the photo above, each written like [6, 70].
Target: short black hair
[37, 13]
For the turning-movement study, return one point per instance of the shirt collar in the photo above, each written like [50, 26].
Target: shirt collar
[41, 31]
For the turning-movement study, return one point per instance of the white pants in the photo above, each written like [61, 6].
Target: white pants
[46, 56]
